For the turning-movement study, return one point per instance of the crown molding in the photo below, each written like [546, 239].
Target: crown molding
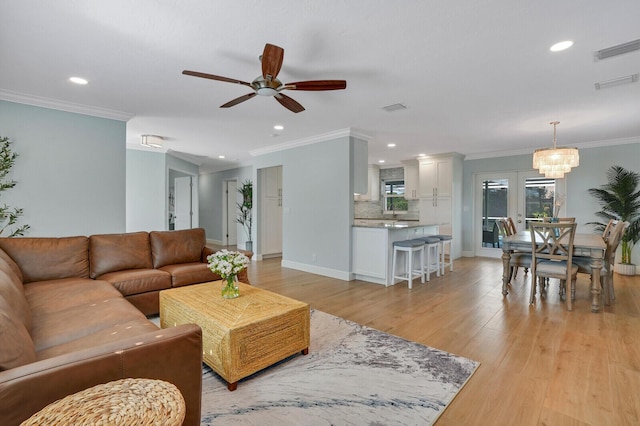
[40, 101]
[349, 132]
[583, 145]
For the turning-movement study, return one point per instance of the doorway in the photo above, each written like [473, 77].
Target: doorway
[183, 200]
[523, 195]
[229, 223]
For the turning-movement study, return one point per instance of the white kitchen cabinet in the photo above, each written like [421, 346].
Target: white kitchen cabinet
[441, 195]
[436, 177]
[373, 185]
[411, 181]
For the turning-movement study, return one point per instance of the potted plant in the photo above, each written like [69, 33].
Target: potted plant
[620, 200]
[244, 211]
[9, 216]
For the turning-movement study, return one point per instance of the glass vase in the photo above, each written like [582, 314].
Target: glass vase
[230, 289]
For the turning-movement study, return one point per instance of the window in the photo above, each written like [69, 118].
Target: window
[394, 200]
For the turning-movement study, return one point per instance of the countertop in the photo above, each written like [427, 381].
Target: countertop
[394, 225]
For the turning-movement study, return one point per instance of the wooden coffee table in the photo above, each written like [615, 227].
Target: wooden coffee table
[239, 336]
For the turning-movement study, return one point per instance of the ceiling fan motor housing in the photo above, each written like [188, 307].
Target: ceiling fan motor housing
[264, 87]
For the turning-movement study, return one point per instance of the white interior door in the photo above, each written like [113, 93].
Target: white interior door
[183, 211]
[231, 225]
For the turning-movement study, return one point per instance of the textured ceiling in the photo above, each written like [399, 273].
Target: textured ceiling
[476, 76]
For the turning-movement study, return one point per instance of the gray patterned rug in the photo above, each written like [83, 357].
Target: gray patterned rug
[353, 375]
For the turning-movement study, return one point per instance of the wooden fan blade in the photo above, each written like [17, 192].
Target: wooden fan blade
[317, 85]
[236, 101]
[289, 103]
[272, 60]
[215, 77]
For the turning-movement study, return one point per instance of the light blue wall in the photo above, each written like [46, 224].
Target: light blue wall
[70, 170]
[211, 196]
[594, 163]
[317, 182]
[147, 196]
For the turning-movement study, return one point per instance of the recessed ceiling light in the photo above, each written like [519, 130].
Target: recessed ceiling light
[380, 161]
[78, 80]
[278, 127]
[422, 155]
[221, 157]
[391, 145]
[561, 46]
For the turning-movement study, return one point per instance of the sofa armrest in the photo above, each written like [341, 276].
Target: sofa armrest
[172, 354]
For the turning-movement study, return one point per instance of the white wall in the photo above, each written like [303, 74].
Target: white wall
[70, 170]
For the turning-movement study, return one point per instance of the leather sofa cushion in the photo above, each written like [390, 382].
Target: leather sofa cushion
[76, 322]
[118, 252]
[114, 333]
[12, 293]
[17, 347]
[172, 247]
[57, 295]
[43, 259]
[189, 273]
[136, 281]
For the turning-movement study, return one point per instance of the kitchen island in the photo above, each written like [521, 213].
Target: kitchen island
[373, 247]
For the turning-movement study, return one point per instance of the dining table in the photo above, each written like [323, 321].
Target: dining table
[586, 245]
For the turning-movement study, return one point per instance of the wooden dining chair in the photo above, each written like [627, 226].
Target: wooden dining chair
[560, 219]
[552, 256]
[518, 259]
[612, 236]
[512, 226]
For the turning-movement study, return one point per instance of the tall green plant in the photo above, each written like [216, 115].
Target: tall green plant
[620, 200]
[244, 208]
[9, 216]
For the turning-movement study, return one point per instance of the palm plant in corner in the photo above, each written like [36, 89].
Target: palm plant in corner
[9, 216]
[620, 200]
[244, 211]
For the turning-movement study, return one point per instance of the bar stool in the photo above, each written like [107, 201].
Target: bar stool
[409, 248]
[444, 240]
[432, 255]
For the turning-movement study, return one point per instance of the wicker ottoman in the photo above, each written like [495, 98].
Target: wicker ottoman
[239, 336]
[120, 403]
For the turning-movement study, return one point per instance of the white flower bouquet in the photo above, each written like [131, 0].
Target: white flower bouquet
[228, 265]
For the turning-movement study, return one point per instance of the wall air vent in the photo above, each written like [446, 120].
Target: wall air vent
[616, 50]
[394, 107]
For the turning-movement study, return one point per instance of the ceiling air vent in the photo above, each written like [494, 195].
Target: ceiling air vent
[394, 107]
[617, 50]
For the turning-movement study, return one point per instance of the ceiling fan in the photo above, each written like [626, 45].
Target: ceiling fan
[268, 85]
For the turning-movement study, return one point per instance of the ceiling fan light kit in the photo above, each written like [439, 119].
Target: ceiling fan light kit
[268, 85]
[555, 162]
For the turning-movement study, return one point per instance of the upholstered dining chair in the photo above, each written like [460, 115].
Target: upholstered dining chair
[518, 259]
[552, 256]
[612, 236]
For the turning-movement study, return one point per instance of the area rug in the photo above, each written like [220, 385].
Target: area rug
[353, 375]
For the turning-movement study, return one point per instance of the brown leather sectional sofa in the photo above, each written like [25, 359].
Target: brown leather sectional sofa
[68, 317]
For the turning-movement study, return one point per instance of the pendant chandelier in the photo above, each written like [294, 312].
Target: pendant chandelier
[555, 162]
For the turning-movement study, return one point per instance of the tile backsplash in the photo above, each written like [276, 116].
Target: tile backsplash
[373, 209]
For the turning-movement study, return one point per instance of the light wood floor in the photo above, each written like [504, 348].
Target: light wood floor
[540, 365]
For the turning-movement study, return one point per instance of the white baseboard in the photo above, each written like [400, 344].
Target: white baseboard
[216, 242]
[327, 272]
